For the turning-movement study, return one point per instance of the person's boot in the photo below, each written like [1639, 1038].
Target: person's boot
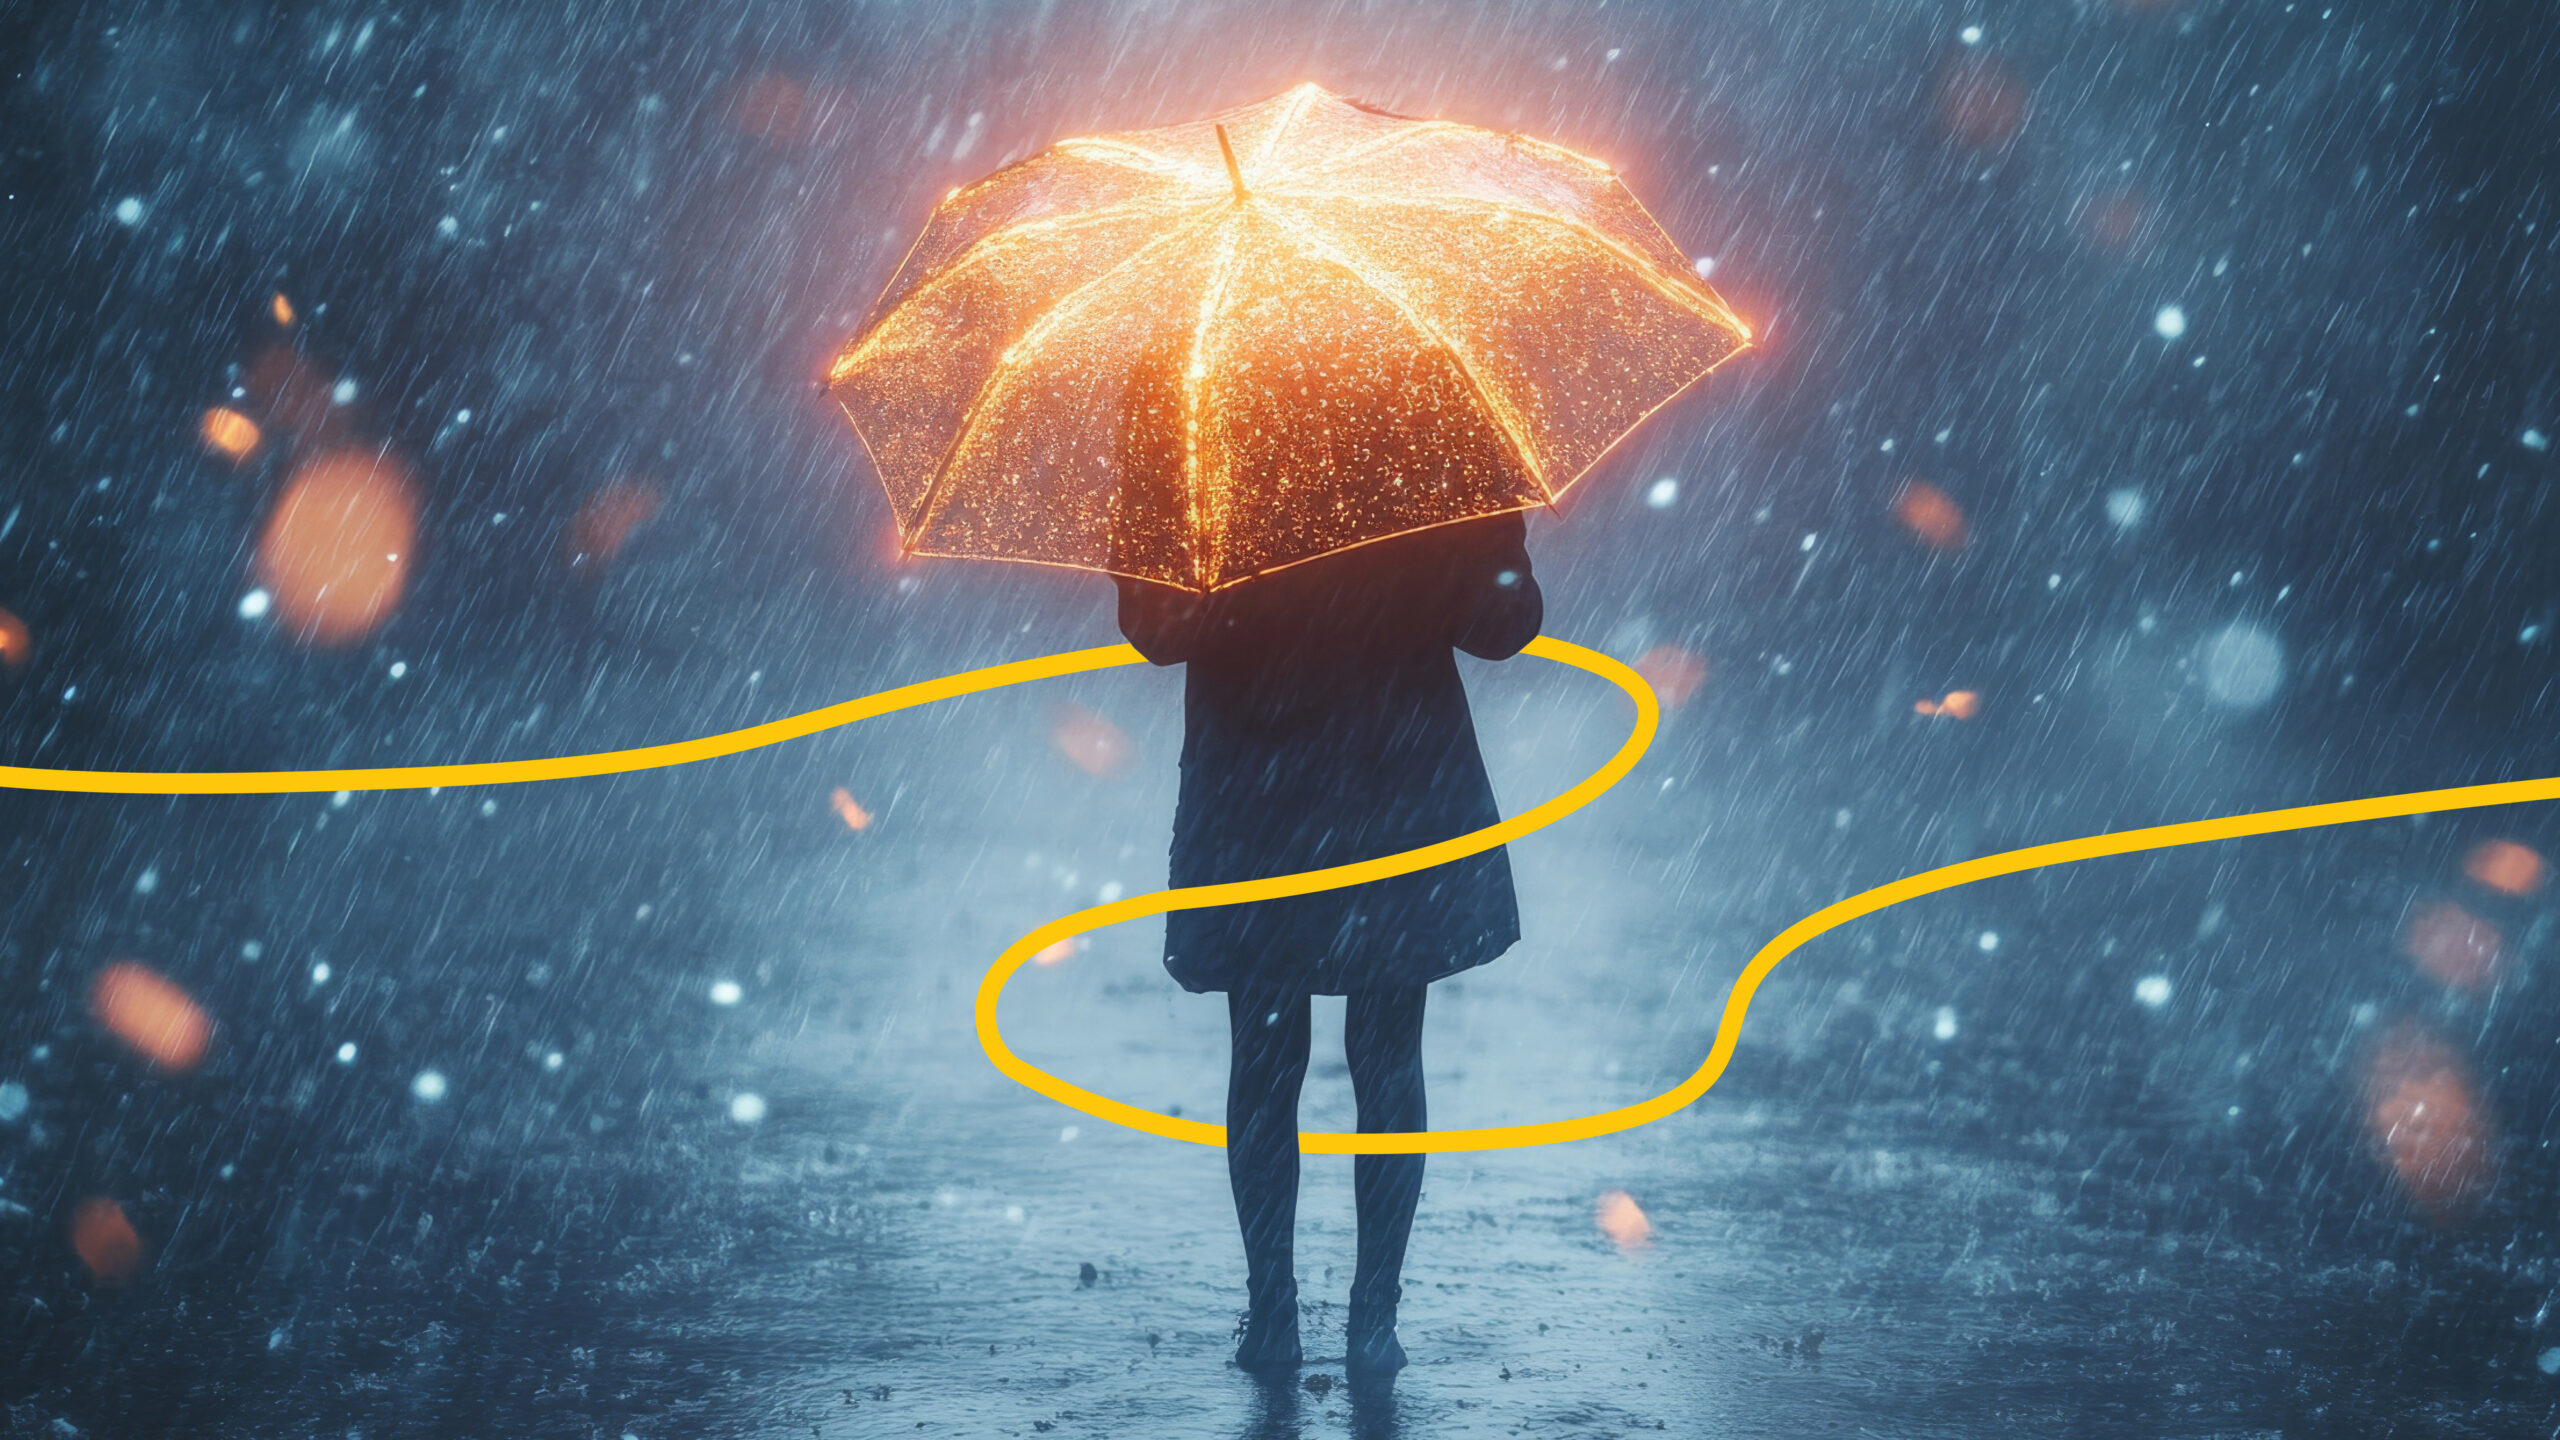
[1269, 1334]
[1371, 1336]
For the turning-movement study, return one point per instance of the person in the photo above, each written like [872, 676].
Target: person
[1325, 723]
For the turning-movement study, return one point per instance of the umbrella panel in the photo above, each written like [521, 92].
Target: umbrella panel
[1102, 357]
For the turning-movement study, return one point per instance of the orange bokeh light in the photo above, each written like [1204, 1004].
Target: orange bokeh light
[1623, 1221]
[292, 396]
[17, 643]
[2505, 866]
[335, 554]
[605, 522]
[2454, 946]
[1980, 103]
[1052, 954]
[1674, 674]
[2432, 1126]
[770, 107]
[233, 435]
[1925, 511]
[1095, 745]
[282, 309]
[152, 1016]
[848, 810]
[784, 111]
[2118, 220]
[106, 1241]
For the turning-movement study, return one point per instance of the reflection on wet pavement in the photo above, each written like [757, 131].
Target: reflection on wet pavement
[1866, 1230]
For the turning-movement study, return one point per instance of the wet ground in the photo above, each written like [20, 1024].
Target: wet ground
[1810, 1269]
[818, 1211]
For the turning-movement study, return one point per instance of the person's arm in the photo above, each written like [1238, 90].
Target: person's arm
[1163, 622]
[1506, 609]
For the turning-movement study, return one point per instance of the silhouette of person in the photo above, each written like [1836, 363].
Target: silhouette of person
[1325, 723]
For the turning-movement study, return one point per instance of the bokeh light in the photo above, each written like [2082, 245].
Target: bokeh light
[1980, 102]
[2505, 866]
[1092, 743]
[153, 1017]
[848, 809]
[1675, 674]
[1623, 1221]
[230, 434]
[2432, 1126]
[2244, 667]
[786, 111]
[1927, 512]
[605, 522]
[292, 396]
[17, 643]
[2454, 946]
[336, 550]
[2118, 221]
[106, 1241]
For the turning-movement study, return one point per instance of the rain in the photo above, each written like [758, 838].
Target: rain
[2147, 419]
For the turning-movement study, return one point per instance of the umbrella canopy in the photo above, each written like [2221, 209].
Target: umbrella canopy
[1199, 353]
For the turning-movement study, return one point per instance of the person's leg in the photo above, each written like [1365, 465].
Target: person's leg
[1267, 1065]
[1382, 1038]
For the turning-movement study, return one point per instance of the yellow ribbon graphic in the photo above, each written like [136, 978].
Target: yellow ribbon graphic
[1075, 662]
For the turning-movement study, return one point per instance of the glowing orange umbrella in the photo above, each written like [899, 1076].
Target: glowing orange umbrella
[1199, 353]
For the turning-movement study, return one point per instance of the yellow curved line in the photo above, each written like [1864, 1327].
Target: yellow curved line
[1074, 662]
[1306, 882]
[568, 767]
[1737, 1001]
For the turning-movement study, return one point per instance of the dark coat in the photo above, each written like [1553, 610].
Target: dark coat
[1325, 723]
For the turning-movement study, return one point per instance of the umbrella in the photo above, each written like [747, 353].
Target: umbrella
[1199, 353]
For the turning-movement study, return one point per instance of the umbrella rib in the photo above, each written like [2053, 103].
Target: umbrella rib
[1207, 526]
[1298, 102]
[1122, 153]
[980, 250]
[1705, 306]
[1020, 350]
[1495, 409]
[1367, 148]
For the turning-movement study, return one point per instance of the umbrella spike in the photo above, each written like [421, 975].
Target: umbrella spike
[1228, 150]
